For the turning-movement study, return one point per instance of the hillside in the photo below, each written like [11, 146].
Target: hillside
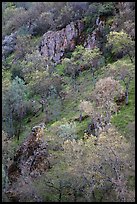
[68, 102]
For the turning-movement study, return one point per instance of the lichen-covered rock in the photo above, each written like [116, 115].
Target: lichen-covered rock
[54, 44]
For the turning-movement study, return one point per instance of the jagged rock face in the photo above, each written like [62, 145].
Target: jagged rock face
[54, 44]
[8, 44]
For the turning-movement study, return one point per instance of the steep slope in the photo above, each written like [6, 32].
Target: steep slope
[49, 78]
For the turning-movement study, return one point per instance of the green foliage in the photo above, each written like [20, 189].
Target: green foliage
[106, 8]
[82, 171]
[18, 89]
[121, 42]
[24, 46]
[14, 105]
[125, 18]
[81, 127]
[127, 113]
[60, 69]
[33, 67]
[13, 18]
[16, 71]
[90, 54]
[67, 131]
[97, 9]
[76, 55]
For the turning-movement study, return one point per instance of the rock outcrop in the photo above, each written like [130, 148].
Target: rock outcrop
[30, 161]
[31, 157]
[8, 44]
[93, 38]
[55, 44]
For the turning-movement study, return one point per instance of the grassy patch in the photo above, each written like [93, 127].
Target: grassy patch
[81, 126]
[131, 182]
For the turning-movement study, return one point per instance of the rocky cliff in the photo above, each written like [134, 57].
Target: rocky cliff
[55, 44]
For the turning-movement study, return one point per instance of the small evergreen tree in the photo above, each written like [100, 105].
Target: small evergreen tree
[14, 106]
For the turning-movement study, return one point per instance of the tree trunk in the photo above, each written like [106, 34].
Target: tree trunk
[42, 108]
[80, 117]
[93, 194]
[75, 195]
[11, 124]
[130, 57]
[60, 192]
[126, 95]
[93, 77]
[60, 196]
[18, 133]
[19, 130]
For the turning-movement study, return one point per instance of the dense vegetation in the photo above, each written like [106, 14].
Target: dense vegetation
[87, 101]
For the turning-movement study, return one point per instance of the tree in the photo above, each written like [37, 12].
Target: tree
[14, 107]
[71, 68]
[23, 46]
[124, 72]
[125, 18]
[85, 107]
[85, 172]
[126, 77]
[104, 94]
[93, 59]
[98, 174]
[83, 59]
[121, 42]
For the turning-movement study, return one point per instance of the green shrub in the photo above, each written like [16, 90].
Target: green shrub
[67, 131]
[60, 69]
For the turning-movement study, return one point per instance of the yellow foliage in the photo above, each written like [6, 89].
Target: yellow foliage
[86, 106]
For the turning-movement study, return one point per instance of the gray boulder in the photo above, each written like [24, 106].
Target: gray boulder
[8, 44]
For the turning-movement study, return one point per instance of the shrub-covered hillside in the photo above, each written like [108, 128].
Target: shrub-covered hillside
[68, 101]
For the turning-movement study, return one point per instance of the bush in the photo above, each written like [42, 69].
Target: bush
[14, 106]
[16, 71]
[106, 8]
[24, 45]
[67, 131]
[60, 69]
[121, 42]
